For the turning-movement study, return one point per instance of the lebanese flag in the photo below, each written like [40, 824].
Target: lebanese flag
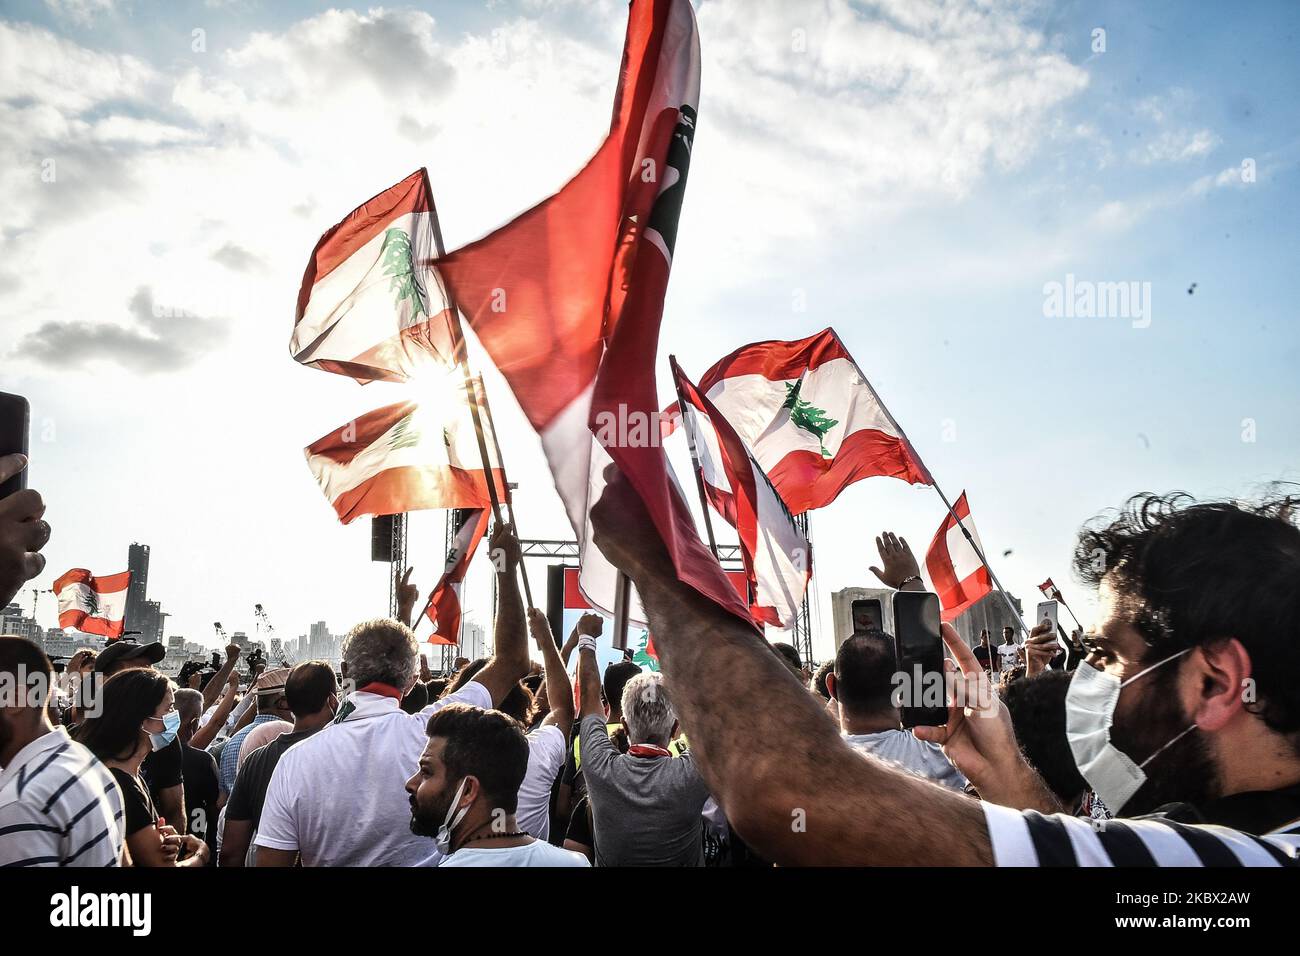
[777, 555]
[810, 418]
[403, 458]
[1050, 591]
[444, 602]
[956, 573]
[567, 300]
[93, 605]
[370, 306]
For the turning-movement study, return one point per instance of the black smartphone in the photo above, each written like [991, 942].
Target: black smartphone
[918, 648]
[15, 420]
[868, 615]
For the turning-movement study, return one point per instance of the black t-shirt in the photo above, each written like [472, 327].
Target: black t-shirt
[164, 768]
[248, 794]
[137, 804]
[201, 794]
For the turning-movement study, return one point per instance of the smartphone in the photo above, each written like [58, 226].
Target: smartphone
[918, 649]
[1051, 611]
[868, 615]
[15, 420]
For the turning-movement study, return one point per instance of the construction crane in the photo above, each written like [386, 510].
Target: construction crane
[265, 627]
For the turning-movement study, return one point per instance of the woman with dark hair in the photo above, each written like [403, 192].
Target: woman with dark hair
[137, 715]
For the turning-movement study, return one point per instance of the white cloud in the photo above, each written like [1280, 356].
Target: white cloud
[80, 12]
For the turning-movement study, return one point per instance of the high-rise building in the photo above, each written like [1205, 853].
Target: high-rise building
[137, 562]
[320, 643]
[14, 621]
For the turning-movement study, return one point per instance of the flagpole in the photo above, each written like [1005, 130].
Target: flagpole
[695, 462]
[481, 390]
[979, 553]
[462, 359]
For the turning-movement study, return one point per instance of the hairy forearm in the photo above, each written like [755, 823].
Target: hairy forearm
[511, 634]
[785, 778]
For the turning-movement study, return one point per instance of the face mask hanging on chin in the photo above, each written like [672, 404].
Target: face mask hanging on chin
[443, 839]
[1089, 714]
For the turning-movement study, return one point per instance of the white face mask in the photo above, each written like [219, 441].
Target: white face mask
[443, 839]
[1089, 713]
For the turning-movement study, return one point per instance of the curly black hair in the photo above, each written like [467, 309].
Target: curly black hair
[1199, 572]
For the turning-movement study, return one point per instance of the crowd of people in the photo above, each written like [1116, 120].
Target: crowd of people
[1169, 735]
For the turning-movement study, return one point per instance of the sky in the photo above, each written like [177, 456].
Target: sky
[915, 174]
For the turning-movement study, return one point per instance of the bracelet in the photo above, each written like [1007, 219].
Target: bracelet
[909, 579]
[587, 643]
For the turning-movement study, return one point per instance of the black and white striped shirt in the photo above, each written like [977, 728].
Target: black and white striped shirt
[59, 806]
[1027, 838]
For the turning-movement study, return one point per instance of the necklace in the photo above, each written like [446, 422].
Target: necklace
[498, 836]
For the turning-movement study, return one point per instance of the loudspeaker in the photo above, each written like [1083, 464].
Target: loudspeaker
[381, 538]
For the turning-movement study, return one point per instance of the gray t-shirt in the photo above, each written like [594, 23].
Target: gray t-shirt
[645, 810]
[917, 756]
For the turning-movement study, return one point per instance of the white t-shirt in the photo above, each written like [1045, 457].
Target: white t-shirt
[546, 751]
[339, 797]
[920, 757]
[537, 853]
[1007, 655]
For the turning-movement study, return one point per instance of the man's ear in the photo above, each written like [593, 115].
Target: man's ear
[473, 790]
[830, 686]
[1221, 672]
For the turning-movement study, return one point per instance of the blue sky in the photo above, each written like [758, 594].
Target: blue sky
[914, 173]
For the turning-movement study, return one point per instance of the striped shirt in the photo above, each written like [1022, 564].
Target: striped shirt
[1027, 838]
[59, 806]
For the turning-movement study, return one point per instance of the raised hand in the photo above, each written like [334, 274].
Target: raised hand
[505, 550]
[898, 563]
[1040, 648]
[407, 595]
[23, 532]
[978, 737]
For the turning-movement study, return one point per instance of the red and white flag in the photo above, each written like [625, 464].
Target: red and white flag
[444, 602]
[93, 605]
[777, 555]
[404, 457]
[956, 573]
[370, 306]
[810, 418]
[1050, 590]
[567, 300]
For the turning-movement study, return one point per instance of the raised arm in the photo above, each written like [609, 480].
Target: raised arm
[786, 780]
[208, 732]
[589, 678]
[559, 689]
[510, 654]
[218, 680]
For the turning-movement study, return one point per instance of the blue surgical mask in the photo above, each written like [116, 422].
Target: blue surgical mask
[171, 722]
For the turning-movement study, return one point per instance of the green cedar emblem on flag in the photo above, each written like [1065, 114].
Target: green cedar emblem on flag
[399, 263]
[405, 434]
[641, 657]
[807, 416]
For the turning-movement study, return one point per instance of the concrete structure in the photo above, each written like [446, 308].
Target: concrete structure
[989, 612]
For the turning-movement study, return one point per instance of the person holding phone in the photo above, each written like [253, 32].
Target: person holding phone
[23, 530]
